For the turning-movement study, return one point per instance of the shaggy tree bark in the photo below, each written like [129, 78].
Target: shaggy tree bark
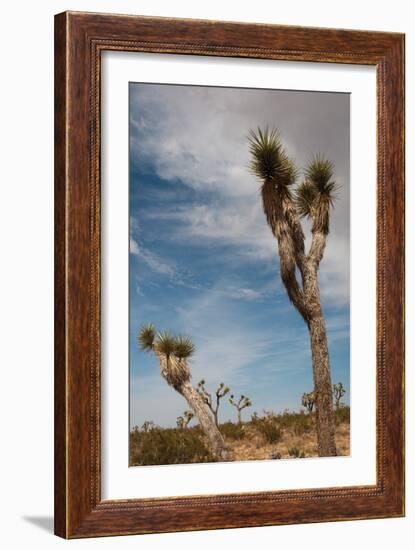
[206, 421]
[177, 374]
[286, 227]
[283, 208]
[322, 387]
[290, 254]
[323, 394]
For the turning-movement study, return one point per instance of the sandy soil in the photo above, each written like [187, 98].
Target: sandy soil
[252, 447]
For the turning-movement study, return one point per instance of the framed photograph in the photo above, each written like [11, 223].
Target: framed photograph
[229, 275]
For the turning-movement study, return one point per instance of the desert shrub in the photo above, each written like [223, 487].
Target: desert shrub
[286, 419]
[295, 452]
[342, 415]
[297, 423]
[301, 424]
[168, 446]
[232, 431]
[269, 428]
[271, 432]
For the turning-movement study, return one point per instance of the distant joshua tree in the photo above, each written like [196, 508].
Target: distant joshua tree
[173, 353]
[147, 426]
[213, 405]
[307, 401]
[242, 403]
[283, 208]
[338, 392]
[183, 421]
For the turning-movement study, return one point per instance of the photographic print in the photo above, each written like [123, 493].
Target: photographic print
[207, 232]
[239, 274]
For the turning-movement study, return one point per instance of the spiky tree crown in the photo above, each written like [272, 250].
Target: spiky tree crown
[147, 337]
[165, 344]
[338, 390]
[173, 349]
[242, 403]
[308, 400]
[183, 347]
[222, 390]
[316, 195]
[269, 161]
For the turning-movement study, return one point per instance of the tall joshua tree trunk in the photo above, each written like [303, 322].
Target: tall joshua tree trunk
[283, 208]
[321, 367]
[172, 354]
[322, 387]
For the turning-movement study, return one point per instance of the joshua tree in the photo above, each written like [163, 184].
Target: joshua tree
[173, 353]
[242, 403]
[338, 392]
[213, 405]
[307, 401]
[147, 426]
[283, 208]
[183, 421]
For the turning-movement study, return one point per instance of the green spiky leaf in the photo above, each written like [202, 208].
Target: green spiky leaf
[184, 347]
[305, 197]
[146, 337]
[165, 343]
[320, 172]
[269, 160]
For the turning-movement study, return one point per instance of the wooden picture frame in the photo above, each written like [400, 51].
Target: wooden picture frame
[79, 40]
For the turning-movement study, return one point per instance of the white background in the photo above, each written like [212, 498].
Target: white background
[119, 481]
[26, 406]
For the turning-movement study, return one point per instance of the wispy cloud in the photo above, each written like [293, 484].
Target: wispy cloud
[198, 136]
[162, 267]
[153, 261]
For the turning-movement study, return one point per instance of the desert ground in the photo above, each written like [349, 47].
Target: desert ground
[267, 437]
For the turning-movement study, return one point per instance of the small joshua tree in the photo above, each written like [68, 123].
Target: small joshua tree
[173, 353]
[147, 426]
[338, 392]
[242, 403]
[307, 401]
[213, 404]
[183, 421]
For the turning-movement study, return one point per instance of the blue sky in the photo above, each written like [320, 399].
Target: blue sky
[203, 261]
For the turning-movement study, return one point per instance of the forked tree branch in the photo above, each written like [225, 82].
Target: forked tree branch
[318, 245]
[290, 243]
[293, 220]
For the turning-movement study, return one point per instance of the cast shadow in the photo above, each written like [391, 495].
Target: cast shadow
[43, 522]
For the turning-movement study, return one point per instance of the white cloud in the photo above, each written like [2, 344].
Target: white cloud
[153, 261]
[227, 345]
[198, 136]
[134, 247]
[162, 267]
